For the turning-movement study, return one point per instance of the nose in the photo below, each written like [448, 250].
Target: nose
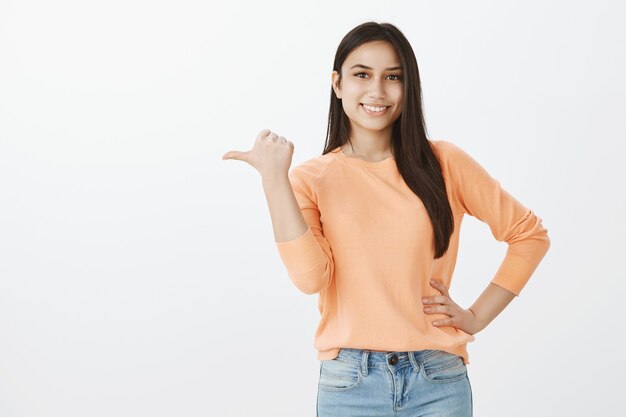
[376, 90]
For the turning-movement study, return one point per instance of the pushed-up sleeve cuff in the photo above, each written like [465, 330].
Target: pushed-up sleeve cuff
[306, 262]
[528, 244]
[517, 268]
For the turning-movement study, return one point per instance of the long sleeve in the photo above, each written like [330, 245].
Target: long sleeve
[371, 282]
[307, 258]
[481, 196]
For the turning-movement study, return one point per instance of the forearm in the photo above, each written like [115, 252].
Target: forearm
[287, 220]
[491, 303]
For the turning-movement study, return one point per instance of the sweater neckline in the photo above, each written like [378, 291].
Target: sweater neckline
[339, 154]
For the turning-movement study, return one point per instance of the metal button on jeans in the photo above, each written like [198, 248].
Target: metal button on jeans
[393, 359]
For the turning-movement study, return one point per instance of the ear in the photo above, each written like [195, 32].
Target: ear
[336, 84]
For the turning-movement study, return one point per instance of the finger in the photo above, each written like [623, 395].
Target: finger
[263, 133]
[445, 322]
[440, 286]
[443, 309]
[445, 297]
[435, 299]
[440, 300]
[242, 156]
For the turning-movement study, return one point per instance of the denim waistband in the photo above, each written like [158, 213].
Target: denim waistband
[395, 360]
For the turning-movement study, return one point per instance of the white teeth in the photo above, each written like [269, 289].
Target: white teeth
[376, 109]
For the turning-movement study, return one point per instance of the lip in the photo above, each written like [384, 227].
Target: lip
[376, 105]
[375, 114]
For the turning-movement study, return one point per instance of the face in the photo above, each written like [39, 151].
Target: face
[371, 75]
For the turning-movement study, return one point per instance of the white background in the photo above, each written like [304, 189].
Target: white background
[138, 272]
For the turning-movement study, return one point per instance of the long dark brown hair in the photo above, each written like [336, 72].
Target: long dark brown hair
[416, 161]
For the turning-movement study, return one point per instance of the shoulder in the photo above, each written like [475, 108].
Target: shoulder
[445, 148]
[451, 155]
[311, 170]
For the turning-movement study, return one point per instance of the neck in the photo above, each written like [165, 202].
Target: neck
[368, 144]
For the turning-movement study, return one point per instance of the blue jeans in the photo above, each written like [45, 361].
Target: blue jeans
[366, 383]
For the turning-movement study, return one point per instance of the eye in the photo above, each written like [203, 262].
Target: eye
[398, 78]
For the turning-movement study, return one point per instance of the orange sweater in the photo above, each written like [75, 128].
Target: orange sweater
[369, 248]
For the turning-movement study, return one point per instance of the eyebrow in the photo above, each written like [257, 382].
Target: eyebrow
[366, 67]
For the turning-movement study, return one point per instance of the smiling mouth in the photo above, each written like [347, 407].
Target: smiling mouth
[374, 110]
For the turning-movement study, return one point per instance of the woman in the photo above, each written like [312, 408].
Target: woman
[372, 226]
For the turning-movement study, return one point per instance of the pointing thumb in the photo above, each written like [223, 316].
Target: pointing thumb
[231, 155]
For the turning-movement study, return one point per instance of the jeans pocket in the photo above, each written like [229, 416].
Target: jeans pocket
[339, 375]
[443, 367]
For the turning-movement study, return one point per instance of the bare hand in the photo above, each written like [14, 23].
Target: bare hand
[459, 318]
[271, 154]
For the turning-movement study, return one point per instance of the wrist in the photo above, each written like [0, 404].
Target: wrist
[480, 324]
[272, 179]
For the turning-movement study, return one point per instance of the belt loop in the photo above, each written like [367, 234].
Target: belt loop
[364, 360]
[414, 363]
